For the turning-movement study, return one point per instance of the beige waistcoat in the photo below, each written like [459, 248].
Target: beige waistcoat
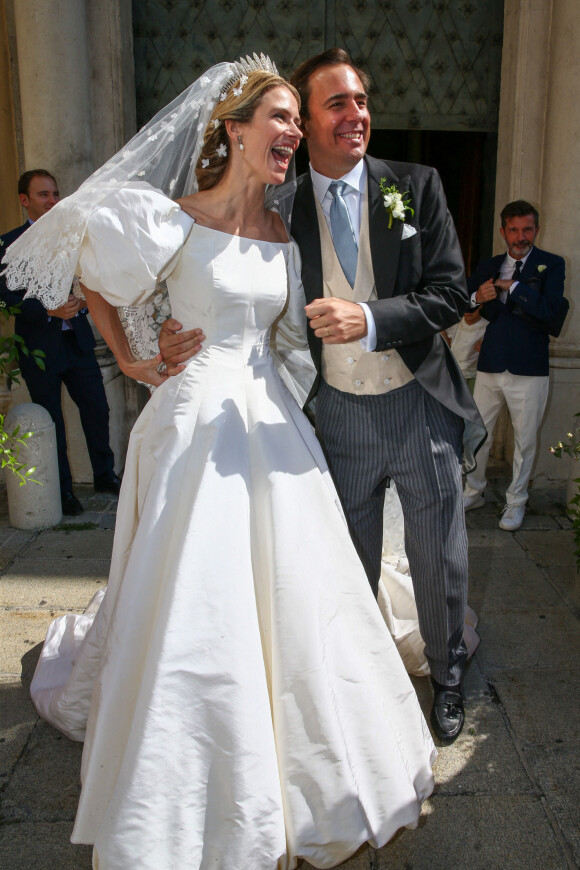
[348, 367]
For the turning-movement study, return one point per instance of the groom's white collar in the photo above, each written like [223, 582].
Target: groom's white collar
[356, 178]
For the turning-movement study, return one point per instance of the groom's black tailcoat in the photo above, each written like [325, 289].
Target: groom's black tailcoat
[412, 433]
[420, 282]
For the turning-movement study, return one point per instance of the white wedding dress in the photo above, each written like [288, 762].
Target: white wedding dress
[243, 701]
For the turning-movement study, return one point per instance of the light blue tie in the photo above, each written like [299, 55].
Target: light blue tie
[342, 232]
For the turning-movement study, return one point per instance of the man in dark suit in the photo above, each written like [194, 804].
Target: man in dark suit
[66, 337]
[390, 399]
[407, 425]
[519, 293]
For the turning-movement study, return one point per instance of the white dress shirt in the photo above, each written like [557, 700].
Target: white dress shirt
[506, 271]
[353, 195]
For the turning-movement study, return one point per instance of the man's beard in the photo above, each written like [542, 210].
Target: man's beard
[518, 251]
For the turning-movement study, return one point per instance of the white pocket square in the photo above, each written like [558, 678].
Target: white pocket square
[408, 231]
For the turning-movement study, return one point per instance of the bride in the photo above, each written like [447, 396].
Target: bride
[241, 700]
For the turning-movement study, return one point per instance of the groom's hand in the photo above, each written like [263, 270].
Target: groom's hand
[336, 321]
[176, 346]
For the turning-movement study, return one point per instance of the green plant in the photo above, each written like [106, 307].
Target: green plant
[572, 448]
[11, 346]
[10, 443]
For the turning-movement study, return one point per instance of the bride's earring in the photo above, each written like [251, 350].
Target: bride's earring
[240, 143]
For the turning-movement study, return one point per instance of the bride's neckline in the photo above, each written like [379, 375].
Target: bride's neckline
[232, 235]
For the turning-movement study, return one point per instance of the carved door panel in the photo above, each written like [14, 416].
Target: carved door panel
[176, 40]
[435, 67]
[435, 64]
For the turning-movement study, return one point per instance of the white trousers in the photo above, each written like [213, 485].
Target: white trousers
[526, 398]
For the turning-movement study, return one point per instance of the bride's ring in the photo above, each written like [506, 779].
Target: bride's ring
[327, 332]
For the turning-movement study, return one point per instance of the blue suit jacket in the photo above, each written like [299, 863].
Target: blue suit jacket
[512, 343]
[37, 328]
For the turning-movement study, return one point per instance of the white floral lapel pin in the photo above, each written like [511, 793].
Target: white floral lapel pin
[396, 203]
[541, 268]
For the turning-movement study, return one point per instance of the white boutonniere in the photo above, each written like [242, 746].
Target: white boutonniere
[541, 268]
[395, 202]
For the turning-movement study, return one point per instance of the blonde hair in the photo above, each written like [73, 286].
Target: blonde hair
[235, 107]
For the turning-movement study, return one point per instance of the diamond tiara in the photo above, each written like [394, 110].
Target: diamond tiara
[245, 66]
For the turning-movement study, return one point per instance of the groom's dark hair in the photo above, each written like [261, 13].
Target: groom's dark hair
[300, 78]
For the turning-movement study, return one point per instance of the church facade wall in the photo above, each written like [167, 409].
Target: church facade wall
[460, 65]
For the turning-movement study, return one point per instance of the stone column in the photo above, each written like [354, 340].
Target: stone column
[525, 69]
[54, 74]
[560, 223]
[539, 129]
[11, 212]
[11, 215]
[110, 33]
[561, 167]
[77, 87]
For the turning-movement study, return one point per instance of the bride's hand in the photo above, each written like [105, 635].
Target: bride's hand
[145, 370]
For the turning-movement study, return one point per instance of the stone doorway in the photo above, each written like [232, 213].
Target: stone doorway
[434, 64]
[466, 162]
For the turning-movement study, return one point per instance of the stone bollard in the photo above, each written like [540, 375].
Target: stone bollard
[34, 506]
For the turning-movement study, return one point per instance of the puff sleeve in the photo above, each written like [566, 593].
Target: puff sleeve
[131, 240]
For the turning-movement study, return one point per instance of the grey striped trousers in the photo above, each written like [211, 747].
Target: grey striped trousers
[408, 436]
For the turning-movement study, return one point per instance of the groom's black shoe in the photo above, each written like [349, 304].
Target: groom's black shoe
[108, 482]
[447, 714]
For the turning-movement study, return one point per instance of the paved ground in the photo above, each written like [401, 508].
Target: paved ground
[507, 791]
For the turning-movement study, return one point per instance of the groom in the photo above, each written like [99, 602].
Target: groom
[390, 400]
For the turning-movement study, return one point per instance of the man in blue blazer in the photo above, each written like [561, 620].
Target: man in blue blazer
[66, 337]
[519, 293]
